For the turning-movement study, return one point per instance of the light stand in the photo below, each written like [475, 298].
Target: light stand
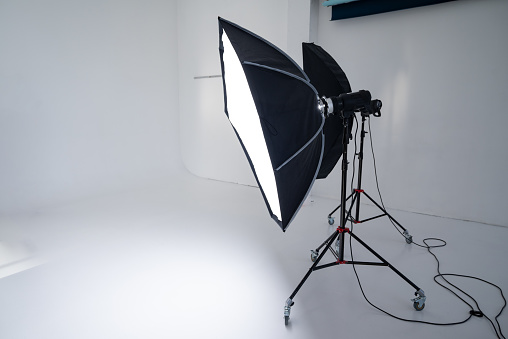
[347, 105]
[356, 194]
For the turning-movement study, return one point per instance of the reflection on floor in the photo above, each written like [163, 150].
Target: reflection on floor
[202, 259]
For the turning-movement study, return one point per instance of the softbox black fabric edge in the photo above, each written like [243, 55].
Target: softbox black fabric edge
[310, 186]
[223, 22]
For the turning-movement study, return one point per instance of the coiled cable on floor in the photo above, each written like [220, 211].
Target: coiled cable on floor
[474, 312]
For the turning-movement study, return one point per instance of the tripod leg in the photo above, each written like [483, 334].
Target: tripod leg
[419, 301]
[348, 215]
[315, 253]
[289, 301]
[331, 219]
[409, 238]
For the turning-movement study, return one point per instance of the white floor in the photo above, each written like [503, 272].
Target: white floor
[202, 259]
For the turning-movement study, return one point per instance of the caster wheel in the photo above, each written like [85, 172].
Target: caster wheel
[286, 320]
[331, 220]
[409, 238]
[314, 255]
[417, 306]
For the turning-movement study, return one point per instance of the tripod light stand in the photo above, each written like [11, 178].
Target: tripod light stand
[358, 191]
[330, 80]
[279, 117]
[356, 195]
[346, 105]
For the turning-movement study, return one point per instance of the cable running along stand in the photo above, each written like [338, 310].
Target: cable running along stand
[346, 105]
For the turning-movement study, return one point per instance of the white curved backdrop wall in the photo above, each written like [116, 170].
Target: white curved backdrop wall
[441, 72]
[88, 99]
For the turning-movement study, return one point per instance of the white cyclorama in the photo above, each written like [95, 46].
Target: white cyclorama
[244, 118]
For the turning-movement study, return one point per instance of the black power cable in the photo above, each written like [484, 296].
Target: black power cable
[355, 154]
[441, 243]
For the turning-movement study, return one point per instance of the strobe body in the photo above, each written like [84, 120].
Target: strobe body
[346, 104]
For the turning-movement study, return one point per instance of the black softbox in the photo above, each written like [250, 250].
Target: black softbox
[276, 114]
[329, 80]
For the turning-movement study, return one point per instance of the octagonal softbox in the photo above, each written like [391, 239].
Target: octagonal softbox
[275, 112]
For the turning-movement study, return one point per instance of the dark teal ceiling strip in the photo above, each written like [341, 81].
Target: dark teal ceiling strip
[369, 7]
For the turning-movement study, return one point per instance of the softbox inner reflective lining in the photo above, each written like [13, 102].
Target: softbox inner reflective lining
[243, 116]
[276, 116]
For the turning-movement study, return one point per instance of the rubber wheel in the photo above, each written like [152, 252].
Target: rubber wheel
[286, 320]
[331, 220]
[313, 257]
[409, 240]
[417, 307]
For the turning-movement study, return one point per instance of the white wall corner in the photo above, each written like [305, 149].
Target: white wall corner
[299, 26]
[314, 20]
